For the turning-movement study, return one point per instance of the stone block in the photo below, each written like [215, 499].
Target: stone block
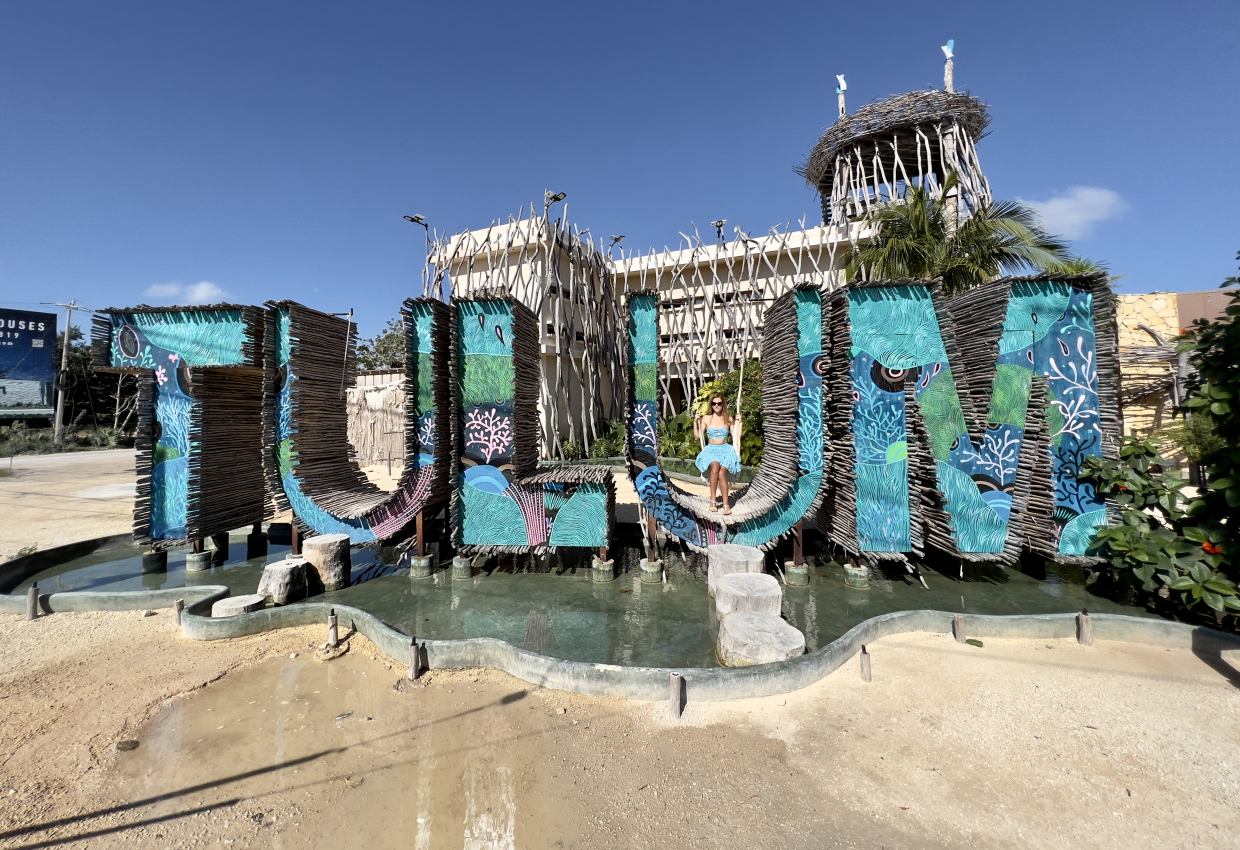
[754, 592]
[284, 581]
[728, 558]
[746, 639]
[329, 565]
[234, 605]
[155, 562]
[858, 576]
[651, 571]
[196, 562]
[421, 567]
[604, 570]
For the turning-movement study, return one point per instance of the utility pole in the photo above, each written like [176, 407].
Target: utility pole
[58, 425]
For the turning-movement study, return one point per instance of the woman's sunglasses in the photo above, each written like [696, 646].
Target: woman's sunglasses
[716, 404]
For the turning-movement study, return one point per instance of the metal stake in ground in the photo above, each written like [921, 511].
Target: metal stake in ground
[415, 661]
[178, 607]
[866, 675]
[958, 628]
[676, 698]
[333, 635]
[32, 602]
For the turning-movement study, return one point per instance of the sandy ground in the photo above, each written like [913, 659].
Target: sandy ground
[244, 744]
[51, 500]
[251, 743]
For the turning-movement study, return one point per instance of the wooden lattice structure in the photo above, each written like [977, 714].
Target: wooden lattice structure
[871, 157]
[712, 297]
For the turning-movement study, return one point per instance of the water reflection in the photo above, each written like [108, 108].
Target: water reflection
[559, 611]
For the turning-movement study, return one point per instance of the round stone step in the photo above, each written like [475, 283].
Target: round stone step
[728, 558]
[755, 592]
[234, 605]
[746, 639]
[328, 563]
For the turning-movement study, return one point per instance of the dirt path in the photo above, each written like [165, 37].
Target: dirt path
[55, 499]
[1016, 744]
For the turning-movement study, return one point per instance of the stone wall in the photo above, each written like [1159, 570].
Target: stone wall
[1158, 311]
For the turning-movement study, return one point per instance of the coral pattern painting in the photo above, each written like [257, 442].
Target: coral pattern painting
[494, 509]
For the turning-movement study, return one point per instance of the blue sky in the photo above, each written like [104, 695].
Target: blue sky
[162, 152]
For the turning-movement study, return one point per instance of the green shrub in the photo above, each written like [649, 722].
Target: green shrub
[1195, 436]
[611, 443]
[1215, 396]
[1153, 542]
[676, 437]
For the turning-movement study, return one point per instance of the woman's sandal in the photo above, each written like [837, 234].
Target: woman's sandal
[713, 509]
[727, 511]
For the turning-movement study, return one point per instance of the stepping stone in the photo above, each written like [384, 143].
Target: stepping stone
[328, 561]
[728, 558]
[234, 605]
[754, 592]
[284, 581]
[746, 639]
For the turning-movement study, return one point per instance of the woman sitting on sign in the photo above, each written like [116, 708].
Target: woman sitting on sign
[718, 457]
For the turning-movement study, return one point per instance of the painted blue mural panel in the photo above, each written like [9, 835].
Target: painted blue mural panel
[1048, 330]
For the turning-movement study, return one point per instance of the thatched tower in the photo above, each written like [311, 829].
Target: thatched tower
[872, 156]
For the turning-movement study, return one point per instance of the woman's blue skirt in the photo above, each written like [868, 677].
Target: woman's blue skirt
[722, 454]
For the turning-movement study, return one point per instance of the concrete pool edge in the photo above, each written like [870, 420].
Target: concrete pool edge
[17, 570]
[611, 680]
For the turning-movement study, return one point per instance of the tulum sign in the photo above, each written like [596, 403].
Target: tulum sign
[896, 420]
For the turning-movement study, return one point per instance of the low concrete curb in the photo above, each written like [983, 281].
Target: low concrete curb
[612, 680]
[121, 600]
[14, 572]
[710, 683]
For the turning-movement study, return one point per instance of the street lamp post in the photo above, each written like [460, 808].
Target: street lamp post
[426, 263]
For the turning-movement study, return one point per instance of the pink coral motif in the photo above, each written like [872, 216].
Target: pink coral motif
[174, 357]
[489, 431]
[161, 375]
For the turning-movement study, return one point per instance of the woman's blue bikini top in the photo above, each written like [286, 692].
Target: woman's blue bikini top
[718, 433]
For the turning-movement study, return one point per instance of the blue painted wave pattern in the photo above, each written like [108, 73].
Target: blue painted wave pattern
[1048, 330]
[649, 481]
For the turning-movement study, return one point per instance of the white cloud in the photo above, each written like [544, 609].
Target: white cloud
[203, 292]
[1072, 214]
[164, 290]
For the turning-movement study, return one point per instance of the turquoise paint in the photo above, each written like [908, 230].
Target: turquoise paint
[895, 325]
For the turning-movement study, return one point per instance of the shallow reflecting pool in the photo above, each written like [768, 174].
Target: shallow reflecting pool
[552, 605]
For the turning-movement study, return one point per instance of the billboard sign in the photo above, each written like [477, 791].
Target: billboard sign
[27, 370]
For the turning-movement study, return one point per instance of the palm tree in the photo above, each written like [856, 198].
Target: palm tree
[1076, 265]
[918, 238]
